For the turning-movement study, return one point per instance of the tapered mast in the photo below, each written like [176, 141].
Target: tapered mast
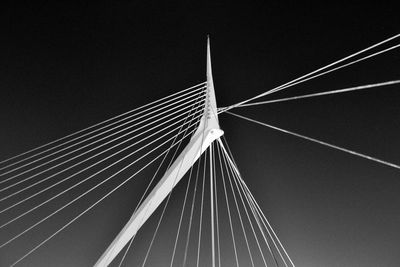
[207, 131]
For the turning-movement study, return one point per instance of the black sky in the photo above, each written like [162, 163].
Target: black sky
[65, 66]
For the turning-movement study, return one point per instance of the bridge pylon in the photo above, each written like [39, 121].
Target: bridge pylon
[207, 131]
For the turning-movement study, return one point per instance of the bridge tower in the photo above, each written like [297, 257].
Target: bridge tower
[207, 131]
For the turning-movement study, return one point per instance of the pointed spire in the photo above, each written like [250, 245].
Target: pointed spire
[211, 105]
[209, 70]
[209, 120]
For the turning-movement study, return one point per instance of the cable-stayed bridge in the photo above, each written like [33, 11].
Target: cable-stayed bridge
[176, 138]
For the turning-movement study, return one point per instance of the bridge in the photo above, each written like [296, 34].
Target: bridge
[176, 147]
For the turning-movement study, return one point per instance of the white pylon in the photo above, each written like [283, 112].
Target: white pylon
[207, 131]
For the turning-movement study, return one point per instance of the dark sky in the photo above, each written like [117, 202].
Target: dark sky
[65, 66]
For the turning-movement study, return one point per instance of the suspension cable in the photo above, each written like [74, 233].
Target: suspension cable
[183, 208]
[93, 175]
[98, 124]
[231, 160]
[192, 206]
[168, 198]
[238, 210]
[145, 193]
[201, 211]
[91, 189]
[307, 77]
[228, 208]
[97, 147]
[88, 167]
[248, 216]
[186, 101]
[216, 206]
[235, 174]
[93, 205]
[393, 165]
[338, 91]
